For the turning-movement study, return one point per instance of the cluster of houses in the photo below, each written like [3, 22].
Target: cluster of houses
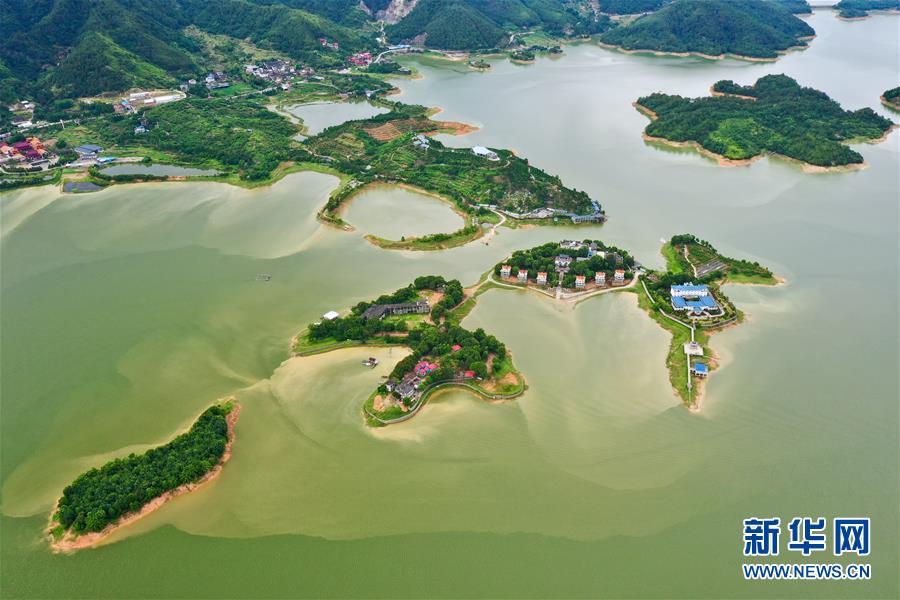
[421, 142]
[380, 311]
[23, 114]
[361, 59]
[695, 301]
[409, 388]
[562, 263]
[277, 71]
[325, 43]
[30, 151]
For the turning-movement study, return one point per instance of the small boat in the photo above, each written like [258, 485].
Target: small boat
[371, 362]
[263, 277]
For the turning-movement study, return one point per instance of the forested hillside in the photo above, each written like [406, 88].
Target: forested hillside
[70, 48]
[753, 28]
[478, 24]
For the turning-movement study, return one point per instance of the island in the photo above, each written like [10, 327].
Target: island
[739, 124]
[891, 98]
[687, 300]
[754, 29]
[423, 317]
[481, 183]
[123, 490]
[859, 9]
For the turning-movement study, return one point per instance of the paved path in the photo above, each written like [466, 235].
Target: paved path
[493, 231]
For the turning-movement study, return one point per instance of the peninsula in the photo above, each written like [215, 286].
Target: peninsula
[123, 490]
[891, 98]
[687, 300]
[859, 9]
[423, 317]
[739, 124]
[753, 29]
[396, 147]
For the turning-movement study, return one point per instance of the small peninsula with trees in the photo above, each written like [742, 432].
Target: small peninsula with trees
[103, 499]
[423, 317]
[687, 300]
[891, 98]
[755, 29]
[774, 116]
[859, 9]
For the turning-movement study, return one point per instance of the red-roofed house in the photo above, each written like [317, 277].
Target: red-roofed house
[542, 278]
[456, 347]
[579, 281]
[600, 277]
[505, 270]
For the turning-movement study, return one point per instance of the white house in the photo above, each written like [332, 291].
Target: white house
[505, 270]
[331, 315]
[600, 277]
[523, 276]
[485, 153]
[563, 260]
[618, 277]
[542, 278]
[579, 281]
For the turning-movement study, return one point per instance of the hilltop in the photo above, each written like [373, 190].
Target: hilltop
[753, 29]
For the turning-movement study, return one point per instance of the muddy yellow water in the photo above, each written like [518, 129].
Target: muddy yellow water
[126, 312]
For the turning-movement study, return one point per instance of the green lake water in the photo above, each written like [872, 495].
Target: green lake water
[127, 311]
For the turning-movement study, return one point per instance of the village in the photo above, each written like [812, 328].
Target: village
[582, 268]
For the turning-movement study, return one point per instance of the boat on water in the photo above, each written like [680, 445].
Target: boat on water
[370, 362]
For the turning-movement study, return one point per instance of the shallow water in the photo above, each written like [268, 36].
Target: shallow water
[126, 312]
[319, 116]
[393, 213]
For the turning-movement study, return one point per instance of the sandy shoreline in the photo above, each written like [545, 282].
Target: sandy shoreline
[708, 56]
[69, 543]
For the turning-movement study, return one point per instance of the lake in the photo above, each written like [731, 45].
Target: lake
[127, 311]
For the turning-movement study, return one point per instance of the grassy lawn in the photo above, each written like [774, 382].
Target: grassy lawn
[751, 279]
[674, 259]
[233, 90]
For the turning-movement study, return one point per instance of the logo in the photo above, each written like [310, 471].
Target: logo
[806, 535]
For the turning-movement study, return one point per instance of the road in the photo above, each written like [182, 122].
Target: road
[490, 234]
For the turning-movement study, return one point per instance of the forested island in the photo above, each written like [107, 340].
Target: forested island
[859, 9]
[775, 115]
[891, 98]
[688, 301]
[103, 499]
[757, 29]
[423, 317]
[588, 265]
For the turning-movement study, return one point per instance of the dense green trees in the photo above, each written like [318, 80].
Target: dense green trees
[854, 9]
[111, 45]
[757, 28]
[784, 118]
[100, 496]
[238, 134]
[481, 24]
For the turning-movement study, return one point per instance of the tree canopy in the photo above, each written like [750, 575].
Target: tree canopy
[100, 496]
[775, 114]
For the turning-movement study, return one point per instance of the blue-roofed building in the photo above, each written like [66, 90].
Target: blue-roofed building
[695, 300]
[700, 370]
